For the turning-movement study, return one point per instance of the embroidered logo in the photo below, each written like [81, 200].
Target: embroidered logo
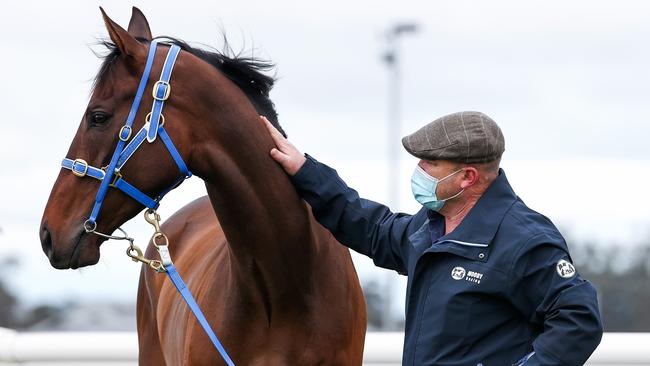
[458, 273]
[565, 269]
[473, 276]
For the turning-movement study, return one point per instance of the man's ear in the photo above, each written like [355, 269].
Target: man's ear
[138, 26]
[470, 177]
[125, 42]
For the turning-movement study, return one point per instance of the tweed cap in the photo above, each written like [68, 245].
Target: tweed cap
[463, 137]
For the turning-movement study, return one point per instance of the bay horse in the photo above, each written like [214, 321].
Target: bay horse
[274, 284]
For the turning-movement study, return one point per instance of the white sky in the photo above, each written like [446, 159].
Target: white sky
[566, 81]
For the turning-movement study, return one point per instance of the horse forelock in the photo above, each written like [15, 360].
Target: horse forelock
[247, 72]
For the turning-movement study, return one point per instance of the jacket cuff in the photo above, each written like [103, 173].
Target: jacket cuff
[305, 173]
[541, 357]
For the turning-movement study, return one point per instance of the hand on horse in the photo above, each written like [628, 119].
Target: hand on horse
[285, 154]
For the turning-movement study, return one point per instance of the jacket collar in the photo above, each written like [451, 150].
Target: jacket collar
[482, 221]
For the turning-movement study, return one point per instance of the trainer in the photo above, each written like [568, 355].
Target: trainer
[490, 281]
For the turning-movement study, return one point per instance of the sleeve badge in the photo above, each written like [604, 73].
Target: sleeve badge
[565, 269]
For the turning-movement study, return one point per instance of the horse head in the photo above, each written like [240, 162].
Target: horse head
[66, 231]
[226, 92]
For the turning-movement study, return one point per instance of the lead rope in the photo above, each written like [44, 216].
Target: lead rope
[165, 264]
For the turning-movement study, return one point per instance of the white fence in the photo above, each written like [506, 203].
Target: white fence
[120, 349]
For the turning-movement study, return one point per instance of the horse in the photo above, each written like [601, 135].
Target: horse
[275, 285]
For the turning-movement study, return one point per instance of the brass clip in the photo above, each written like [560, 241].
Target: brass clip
[135, 253]
[152, 217]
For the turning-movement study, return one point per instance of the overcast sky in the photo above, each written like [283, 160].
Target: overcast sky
[567, 81]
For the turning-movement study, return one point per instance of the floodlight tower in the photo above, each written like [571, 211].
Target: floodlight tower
[392, 60]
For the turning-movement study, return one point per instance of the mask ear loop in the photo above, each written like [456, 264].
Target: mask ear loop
[449, 175]
[457, 194]
[454, 196]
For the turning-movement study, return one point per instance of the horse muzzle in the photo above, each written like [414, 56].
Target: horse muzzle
[79, 250]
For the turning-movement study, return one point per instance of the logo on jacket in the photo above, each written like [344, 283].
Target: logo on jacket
[565, 269]
[458, 273]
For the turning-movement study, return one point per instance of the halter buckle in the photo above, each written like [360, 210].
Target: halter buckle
[125, 133]
[165, 93]
[81, 162]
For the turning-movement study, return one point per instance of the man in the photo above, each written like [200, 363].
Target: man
[490, 281]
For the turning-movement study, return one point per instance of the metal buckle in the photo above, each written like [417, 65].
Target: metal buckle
[161, 119]
[116, 176]
[82, 162]
[128, 136]
[156, 86]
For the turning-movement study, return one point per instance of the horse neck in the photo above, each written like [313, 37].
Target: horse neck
[267, 226]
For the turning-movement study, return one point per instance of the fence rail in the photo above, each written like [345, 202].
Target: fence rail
[121, 349]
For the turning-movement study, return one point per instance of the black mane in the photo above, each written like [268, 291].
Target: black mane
[246, 72]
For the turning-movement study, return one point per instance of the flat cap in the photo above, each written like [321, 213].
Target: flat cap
[463, 137]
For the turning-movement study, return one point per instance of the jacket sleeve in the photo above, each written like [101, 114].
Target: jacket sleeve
[548, 290]
[360, 224]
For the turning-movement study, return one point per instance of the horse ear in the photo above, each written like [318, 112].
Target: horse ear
[138, 26]
[124, 41]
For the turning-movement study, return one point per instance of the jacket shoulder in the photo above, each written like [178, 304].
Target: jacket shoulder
[525, 235]
[530, 228]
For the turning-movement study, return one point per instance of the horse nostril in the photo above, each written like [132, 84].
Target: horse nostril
[46, 240]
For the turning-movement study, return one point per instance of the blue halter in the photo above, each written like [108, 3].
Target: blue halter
[110, 176]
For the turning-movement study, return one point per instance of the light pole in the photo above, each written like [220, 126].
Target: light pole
[392, 59]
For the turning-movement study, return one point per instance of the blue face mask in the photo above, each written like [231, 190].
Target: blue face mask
[424, 189]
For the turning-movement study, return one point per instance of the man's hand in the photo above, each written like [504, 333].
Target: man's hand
[285, 154]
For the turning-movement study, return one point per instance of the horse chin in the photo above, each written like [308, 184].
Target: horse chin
[88, 255]
[84, 252]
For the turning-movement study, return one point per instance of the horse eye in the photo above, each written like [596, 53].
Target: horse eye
[98, 118]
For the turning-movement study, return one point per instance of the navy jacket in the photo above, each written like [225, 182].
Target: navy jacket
[499, 290]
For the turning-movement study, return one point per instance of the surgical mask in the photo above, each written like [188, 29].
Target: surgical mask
[424, 189]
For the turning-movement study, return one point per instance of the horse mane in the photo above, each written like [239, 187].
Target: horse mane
[246, 72]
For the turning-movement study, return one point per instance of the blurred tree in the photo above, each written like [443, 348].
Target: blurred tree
[374, 304]
[49, 314]
[621, 274]
[8, 302]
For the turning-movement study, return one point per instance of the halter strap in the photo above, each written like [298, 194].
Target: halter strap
[103, 187]
[161, 91]
[80, 168]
